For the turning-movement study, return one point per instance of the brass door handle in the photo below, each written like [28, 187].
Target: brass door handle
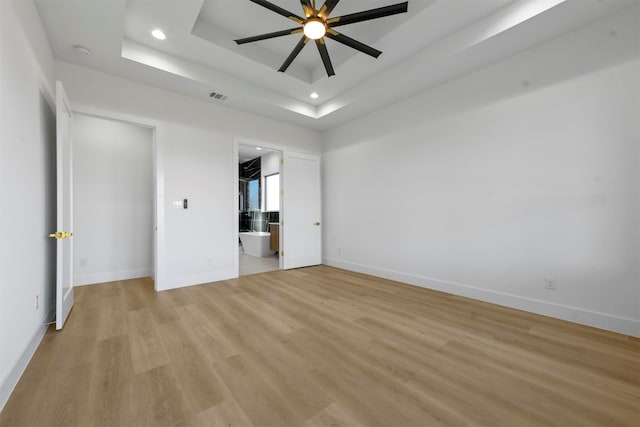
[316, 223]
[61, 235]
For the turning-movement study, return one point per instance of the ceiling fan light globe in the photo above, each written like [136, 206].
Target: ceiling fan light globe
[315, 29]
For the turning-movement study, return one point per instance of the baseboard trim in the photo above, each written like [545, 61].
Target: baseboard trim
[197, 279]
[9, 383]
[110, 276]
[596, 319]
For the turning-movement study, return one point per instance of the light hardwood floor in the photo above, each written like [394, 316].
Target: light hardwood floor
[320, 347]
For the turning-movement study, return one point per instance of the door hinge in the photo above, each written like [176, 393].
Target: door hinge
[282, 253]
[282, 161]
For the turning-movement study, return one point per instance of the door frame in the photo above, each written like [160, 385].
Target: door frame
[158, 267]
[236, 176]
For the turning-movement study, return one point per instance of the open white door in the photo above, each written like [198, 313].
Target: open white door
[301, 233]
[64, 247]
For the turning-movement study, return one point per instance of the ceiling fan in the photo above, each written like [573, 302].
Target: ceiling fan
[316, 25]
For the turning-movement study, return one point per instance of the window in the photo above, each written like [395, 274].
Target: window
[253, 196]
[272, 192]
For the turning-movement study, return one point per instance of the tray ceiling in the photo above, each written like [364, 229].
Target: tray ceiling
[435, 42]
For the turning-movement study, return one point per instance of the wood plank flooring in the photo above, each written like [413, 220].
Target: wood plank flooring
[320, 347]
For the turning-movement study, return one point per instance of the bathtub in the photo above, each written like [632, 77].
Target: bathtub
[256, 243]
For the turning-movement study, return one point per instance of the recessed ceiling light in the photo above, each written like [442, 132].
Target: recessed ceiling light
[314, 95]
[258, 148]
[159, 34]
[81, 50]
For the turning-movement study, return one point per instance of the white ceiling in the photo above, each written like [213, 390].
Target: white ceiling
[435, 42]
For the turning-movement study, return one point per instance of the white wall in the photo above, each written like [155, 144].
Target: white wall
[484, 186]
[196, 143]
[113, 200]
[27, 189]
[200, 240]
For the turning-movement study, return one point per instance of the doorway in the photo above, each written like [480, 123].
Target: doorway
[114, 200]
[259, 209]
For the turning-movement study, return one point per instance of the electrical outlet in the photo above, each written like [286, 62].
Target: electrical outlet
[550, 283]
[37, 301]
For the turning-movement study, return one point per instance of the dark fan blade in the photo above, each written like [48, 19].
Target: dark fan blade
[327, 8]
[324, 54]
[296, 50]
[269, 35]
[346, 40]
[368, 14]
[278, 10]
[307, 7]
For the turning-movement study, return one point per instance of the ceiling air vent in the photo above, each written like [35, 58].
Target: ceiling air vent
[217, 96]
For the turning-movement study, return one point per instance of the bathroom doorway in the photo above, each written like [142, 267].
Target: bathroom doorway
[258, 209]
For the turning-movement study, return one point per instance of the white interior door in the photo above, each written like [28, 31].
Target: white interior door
[301, 208]
[64, 187]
